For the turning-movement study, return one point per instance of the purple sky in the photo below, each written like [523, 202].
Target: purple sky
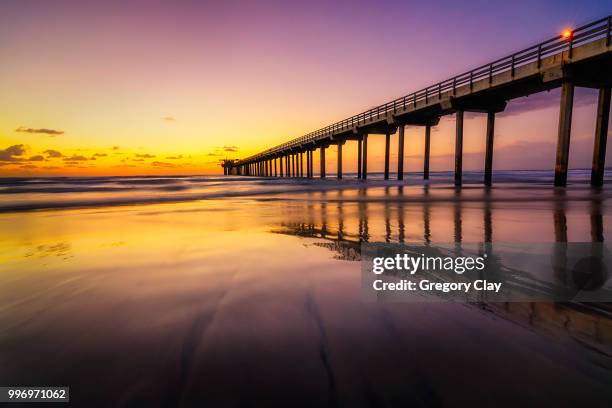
[251, 75]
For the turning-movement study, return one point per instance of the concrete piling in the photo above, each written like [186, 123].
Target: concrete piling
[564, 133]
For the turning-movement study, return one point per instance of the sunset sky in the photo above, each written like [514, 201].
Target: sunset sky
[134, 87]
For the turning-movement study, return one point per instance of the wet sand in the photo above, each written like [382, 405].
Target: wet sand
[256, 300]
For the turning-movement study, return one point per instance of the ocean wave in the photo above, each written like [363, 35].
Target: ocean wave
[21, 194]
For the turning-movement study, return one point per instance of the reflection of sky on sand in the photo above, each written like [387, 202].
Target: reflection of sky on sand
[207, 301]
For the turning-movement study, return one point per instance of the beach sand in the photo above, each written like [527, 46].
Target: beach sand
[255, 299]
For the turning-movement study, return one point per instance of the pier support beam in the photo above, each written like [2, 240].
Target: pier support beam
[322, 161]
[488, 173]
[301, 164]
[459, 148]
[601, 137]
[565, 128]
[364, 164]
[312, 162]
[426, 153]
[280, 165]
[387, 146]
[339, 160]
[359, 157]
[400, 153]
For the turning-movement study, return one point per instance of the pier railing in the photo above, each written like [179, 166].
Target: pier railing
[593, 31]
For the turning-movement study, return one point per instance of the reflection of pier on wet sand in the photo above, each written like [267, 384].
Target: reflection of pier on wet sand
[341, 222]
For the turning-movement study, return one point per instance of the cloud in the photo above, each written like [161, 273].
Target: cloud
[180, 156]
[138, 160]
[145, 156]
[53, 153]
[11, 153]
[214, 154]
[100, 155]
[543, 100]
[115, 147]
[163, 164]
[230, 148]
[169, 119]
[28, 166]
[75, 158]
[38, 157]
[520, 155]
[44, 131]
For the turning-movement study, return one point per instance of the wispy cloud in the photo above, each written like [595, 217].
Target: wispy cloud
[145, 156]
[38, 157]
[169, 119]
[544, 100]
[163, 164]
[230, 148]
[75, 158]
[12, 153]
[44, 131]
[100, 155]
[53, 153]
